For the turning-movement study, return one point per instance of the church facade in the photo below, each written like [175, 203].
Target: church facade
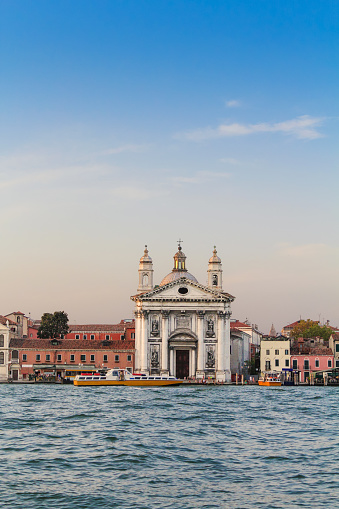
[182, 327]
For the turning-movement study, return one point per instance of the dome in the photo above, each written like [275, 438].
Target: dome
[174, 276]
[214, 258]
[146, 258]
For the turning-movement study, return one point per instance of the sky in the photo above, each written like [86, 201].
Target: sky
[133, 122]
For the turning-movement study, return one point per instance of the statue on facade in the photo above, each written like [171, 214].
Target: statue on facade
[210, 328]
[155, 327]
[210, 362]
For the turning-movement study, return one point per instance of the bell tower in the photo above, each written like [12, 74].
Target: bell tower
[145, 273]
[214, 271]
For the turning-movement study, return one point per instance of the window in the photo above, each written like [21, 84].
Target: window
[105, 358]
[306, 364]
[15, 355]
[107, 337]
[295, 364]
[215, 280]
[77, 336]
[287, 363]
[48, 357]
[129, 358]
[267, 352]
[267, 365]
[116, 358]
[92, 336]
[276, 352]
[2, 340]
[83, 357]
[286, 352]
[18, 319]
[122, 337]
[2, 358]
[92, 357]
[59, 357]
[337, 347]
[329, 363]
[306, 376]
[317, 363]
[31, 335]
[37, 357]
[85, 336]
[276, 363]
[72, 357]
[62, 336]
[133, 335]
[24, 357]
[337, 364]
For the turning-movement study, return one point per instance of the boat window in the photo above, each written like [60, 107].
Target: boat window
[88, 378]
[151, 378]
[158, 378]
[115, 373]
[102, 378]
[136, 378]
[96, 378]
[81, 378]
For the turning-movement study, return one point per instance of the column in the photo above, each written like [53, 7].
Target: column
[164, 343]
[137, 363]
[193, 362]
[201, 354]
[220, 375]
[172, 362]
[227, 365]
[144, 342]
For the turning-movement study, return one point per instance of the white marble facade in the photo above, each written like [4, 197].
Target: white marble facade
[182, 327]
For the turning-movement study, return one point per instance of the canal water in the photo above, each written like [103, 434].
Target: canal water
[178, 447]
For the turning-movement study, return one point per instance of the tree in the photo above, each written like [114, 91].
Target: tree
[53, 325]
[310, 329]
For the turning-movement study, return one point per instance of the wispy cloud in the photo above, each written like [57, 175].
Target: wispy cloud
[304, 127]
[233, 103]
[230, 160]
[124, 148]
[303, 250]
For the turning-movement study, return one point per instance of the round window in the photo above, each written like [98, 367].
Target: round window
[182, 290]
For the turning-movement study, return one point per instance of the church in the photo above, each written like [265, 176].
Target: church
[182, 327]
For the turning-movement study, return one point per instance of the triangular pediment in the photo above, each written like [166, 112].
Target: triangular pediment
[184, 289]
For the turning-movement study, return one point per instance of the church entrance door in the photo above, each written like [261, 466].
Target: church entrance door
[182, 363]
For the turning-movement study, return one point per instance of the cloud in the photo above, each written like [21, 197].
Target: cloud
[234, 103]
[303, 127]
[229, 160]
[302, 251]
[124, 148]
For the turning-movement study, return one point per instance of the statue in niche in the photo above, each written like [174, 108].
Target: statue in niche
[155, 327]
[155, 358]
[210, 362]
[210, 328]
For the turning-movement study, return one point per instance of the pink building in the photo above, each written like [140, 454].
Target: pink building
[123, 331]
[309, 359]
[65, 357]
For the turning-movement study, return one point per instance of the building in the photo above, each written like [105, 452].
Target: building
[7, 331]
[62, 357]
[309, 356]
[274, 354]
[334, 345]
[182, 327]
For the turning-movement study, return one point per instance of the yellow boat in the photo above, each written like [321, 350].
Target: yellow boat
[270, 379]
[124, 377]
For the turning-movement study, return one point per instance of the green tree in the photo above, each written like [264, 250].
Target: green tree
[310, 329]
[53, 325]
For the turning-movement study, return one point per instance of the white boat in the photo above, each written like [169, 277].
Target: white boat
[124, 377]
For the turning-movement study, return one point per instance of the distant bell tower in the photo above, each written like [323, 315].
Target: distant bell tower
[145, 273]
[214, 271]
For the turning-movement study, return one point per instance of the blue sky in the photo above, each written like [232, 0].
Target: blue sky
[133, 122]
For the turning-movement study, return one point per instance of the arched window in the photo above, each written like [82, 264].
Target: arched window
[1, 340]
[18, 319]
[2, 358]
[15, 355]
[145, 279]
[215, 280]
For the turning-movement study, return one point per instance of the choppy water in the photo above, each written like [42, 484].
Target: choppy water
[177, 447]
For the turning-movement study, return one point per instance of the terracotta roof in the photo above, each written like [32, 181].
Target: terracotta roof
[292, 325]
[335, 336]
[100, 327]
[237, 324]
[70, 344]
[16, 313]
[4, 321]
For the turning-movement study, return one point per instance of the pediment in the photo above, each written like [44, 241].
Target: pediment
[184, 289]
